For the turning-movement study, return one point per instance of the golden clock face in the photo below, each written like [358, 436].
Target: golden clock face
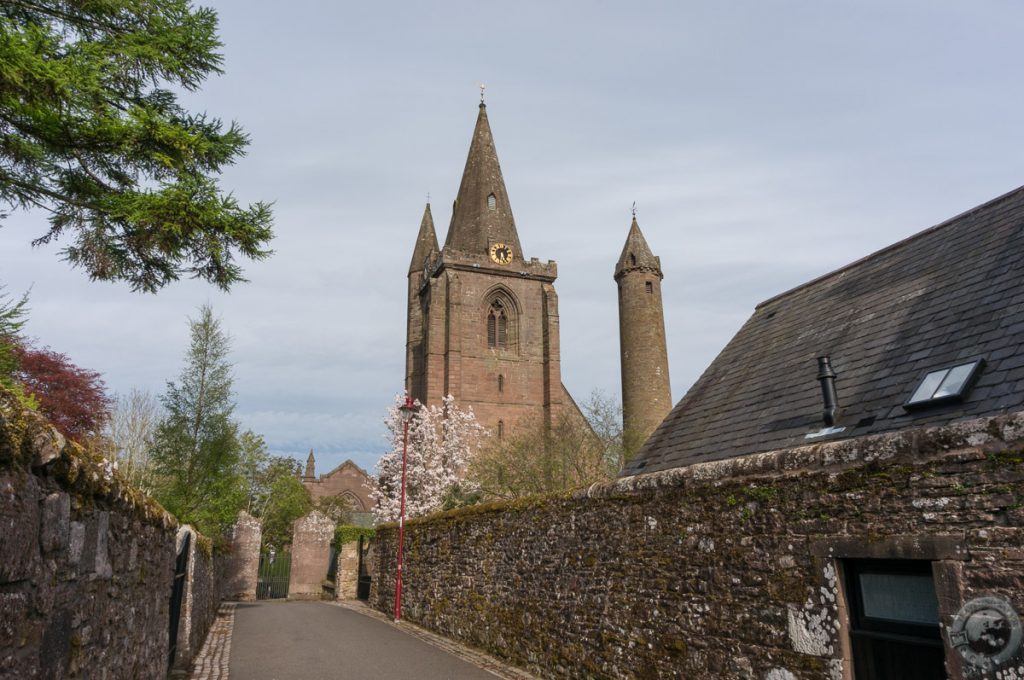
[501, 253]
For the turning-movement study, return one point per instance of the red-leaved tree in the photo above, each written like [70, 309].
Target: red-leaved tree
[73, 398]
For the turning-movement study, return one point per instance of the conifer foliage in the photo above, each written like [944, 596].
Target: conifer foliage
[197, 452]
[91, 131]
[13, 314]
[442, 440]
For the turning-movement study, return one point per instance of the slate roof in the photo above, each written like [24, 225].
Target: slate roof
[952, 293]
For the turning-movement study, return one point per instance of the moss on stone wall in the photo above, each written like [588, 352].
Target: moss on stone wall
[714, 571]
[86, 559]
[28, 442]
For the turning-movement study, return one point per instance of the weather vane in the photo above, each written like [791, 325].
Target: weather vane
[634, 208]
[428, 198]
[482, 88]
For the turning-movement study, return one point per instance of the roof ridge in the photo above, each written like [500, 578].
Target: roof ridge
[891, 246]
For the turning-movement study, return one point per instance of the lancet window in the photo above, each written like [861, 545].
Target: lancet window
[497, 326]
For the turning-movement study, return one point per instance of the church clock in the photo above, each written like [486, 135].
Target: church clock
[501, 253]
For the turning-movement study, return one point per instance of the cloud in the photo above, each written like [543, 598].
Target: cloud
[764, 146]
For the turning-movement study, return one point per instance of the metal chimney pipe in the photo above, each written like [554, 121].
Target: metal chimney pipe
[827, 377]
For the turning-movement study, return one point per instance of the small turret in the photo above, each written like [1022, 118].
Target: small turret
[426, 243]
[310, 467]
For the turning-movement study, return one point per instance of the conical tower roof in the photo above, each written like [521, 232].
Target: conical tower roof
[426, 242]
[310, 466]
[478, 220]
[636, 254]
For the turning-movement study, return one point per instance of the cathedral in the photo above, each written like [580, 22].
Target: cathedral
[483, 318]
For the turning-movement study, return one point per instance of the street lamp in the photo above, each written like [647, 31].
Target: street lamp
[407, 409]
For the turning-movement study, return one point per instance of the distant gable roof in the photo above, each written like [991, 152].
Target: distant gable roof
[949, 294]
[348, 464]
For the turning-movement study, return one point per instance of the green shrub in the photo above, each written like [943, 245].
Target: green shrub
[349, 534]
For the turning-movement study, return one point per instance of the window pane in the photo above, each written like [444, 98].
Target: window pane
[900, 597]
[954, 382]
[928, 386]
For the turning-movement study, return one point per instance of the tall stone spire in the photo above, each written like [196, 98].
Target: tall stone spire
[646, 392]
[426, 242]
[482, 215]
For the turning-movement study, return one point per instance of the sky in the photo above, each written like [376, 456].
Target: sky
[765, 142]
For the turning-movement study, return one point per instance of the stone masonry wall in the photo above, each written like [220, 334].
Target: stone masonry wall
[346, 580]
[244, 550]
[203, 585]
[311, 554]
[85, 562]
[730, 569]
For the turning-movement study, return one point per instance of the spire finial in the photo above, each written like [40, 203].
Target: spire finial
[482, 88]
[634, 210]
[428, 198]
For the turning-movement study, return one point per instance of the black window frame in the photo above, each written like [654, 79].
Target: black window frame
[861, 624]
[976, 367]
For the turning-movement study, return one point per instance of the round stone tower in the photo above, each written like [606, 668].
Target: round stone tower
[646, 393]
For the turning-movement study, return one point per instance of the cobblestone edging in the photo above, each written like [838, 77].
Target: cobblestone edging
[467, 654]
[213, 659]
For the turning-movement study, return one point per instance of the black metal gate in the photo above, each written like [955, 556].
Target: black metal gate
[363, 587]
[177, 592]
[275, 570]
[332, 563]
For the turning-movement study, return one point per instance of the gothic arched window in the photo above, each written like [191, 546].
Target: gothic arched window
[500, 316]
[497, 326]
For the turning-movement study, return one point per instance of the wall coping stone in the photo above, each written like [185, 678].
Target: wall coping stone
[961, 441]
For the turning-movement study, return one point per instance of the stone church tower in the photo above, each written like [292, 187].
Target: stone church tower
[483, 319]
[646, 394]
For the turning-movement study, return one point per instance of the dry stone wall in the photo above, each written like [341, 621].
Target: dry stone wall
[87, 564]
[204, 582]
[729, 569]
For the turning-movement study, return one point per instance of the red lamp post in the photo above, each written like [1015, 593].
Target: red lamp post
[407, 409]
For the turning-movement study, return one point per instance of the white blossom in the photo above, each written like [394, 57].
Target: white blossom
[441, 441]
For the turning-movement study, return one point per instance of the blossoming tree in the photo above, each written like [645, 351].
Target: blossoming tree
[442, 439]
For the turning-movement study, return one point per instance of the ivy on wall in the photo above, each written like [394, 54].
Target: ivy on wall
[350, 534]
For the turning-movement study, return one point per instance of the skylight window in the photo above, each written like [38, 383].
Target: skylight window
[945, 385]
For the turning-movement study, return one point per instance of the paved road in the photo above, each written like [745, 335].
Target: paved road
[320, 641]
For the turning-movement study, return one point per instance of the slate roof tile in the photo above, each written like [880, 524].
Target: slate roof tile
[950, 293]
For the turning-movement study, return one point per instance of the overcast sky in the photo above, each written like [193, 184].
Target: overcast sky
[765, 143]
